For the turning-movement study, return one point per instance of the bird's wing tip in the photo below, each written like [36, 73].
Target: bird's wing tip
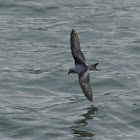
[91, 99]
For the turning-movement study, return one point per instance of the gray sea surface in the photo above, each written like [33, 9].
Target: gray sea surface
[39, 100]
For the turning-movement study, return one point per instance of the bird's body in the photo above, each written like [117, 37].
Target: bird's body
[80, 67]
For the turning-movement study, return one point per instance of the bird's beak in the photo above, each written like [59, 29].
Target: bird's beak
[68, 72]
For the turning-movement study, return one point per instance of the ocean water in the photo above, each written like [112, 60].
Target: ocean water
[39, 100]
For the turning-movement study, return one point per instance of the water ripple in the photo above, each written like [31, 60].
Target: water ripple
[38, 100]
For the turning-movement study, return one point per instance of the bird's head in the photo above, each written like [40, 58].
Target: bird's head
[71, 70]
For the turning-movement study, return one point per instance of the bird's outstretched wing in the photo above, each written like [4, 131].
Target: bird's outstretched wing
[84, 81]
[75, 48]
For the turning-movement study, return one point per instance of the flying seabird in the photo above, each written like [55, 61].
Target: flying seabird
[80, 67]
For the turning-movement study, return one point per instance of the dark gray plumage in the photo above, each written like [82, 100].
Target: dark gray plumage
[80, 66]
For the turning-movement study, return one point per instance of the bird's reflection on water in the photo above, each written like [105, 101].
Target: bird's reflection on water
[77, 130]
[81, 133]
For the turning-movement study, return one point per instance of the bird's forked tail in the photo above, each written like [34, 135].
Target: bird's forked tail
[93, 67]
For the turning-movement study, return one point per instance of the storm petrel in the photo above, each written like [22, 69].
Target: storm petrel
[80, 67]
